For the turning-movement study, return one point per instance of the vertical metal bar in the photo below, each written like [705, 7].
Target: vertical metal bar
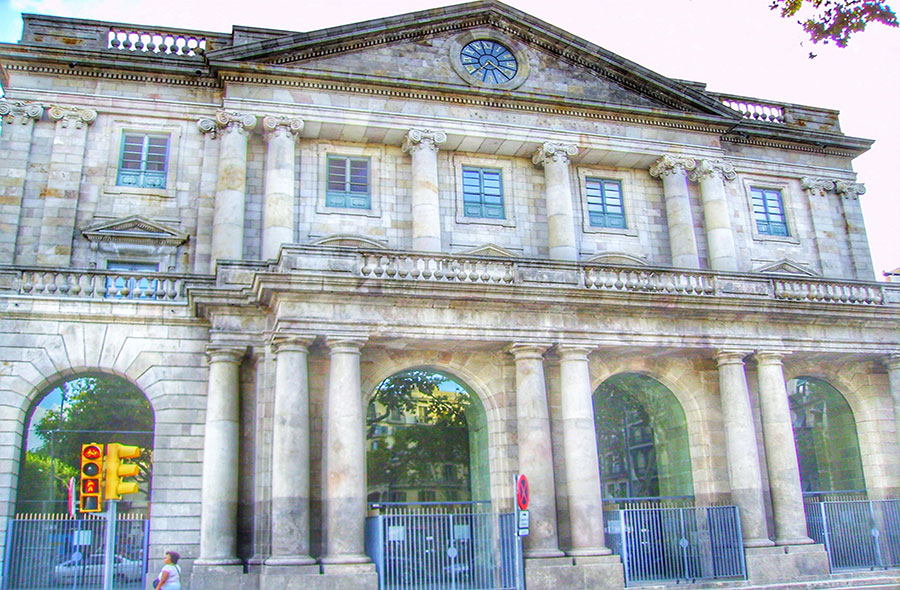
[876, 533]
[826, 537]
[109, 544]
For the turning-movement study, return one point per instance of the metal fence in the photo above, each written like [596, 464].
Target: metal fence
[677, 544]
[857, 534]
[58, 551]
[459, 546]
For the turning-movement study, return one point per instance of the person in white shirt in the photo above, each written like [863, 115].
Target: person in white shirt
[170, 576]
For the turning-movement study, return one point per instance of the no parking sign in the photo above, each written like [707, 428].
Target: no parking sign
[523, 496]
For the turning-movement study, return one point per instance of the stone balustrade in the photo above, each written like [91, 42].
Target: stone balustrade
[95, 284]
[437, 268]
[828, 292]
[757, 111]
[649, 281]
[161, 43]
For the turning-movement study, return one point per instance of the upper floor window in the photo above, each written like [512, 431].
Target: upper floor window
[604, 203]
[144, 161]
[482, 193]
[348, 183]
[768, 210]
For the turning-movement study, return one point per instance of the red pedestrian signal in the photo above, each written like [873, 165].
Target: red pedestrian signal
[91, 494]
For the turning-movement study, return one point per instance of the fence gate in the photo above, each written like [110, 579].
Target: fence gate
[61, 552]
[447, 547]
[659, 544]
[858, 534]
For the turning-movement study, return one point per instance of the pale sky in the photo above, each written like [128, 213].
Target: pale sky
[734, 46]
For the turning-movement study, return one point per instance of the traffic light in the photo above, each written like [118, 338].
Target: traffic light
[116, 470]
[91, 495]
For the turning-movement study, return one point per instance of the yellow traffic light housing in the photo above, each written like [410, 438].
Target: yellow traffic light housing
[90, 492]
[116, 470]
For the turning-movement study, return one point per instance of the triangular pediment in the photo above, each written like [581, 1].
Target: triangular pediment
[135, 229]
[489, 250]
[785, 267]
[422, 50]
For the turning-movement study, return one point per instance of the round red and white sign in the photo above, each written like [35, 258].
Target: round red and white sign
[522, 492]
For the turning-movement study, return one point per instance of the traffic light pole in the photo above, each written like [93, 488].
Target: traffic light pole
[109, 550]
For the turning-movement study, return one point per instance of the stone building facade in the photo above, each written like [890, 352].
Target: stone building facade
[257, 228]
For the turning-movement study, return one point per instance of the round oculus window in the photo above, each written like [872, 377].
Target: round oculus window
[489, 61]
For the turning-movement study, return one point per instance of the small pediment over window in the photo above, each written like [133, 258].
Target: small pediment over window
[135, 230]
[620, 258]
[350, 241]
[785, 267]
[488, 250]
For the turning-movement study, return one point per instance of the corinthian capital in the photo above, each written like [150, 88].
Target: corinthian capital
[710, 168]
[670, 164]
[849, 190]
[227, 120]
[816, 186]
[282, 126]
[66, 115]
[419, 139]
[21, 111]
[552, 151]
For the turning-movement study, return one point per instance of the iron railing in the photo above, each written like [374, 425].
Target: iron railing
[58, 551]
[677, 544]
[441, 546]
[857, 534]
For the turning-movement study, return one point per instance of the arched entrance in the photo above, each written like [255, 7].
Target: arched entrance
[52, 549]
[426, 440]
[826, 439]
[642, 439]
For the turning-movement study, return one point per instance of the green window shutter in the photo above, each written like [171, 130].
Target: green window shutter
[606, 208]
[347, 184]
[768, 211]
[482, 193]
[143, 161]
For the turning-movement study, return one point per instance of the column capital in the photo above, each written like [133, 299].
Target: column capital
[730, 357]
[282, 127]
[707, 168]
[21, 110]
[574, 351]
[816, 186]
[225, 353]
[552, 151]
[291, 342]
[227, 120]
[420, 139]
[528, 350]
[849, 190]
[345, 343]
[670, 164]
[65, 115]
[765, 357]
[892, 361]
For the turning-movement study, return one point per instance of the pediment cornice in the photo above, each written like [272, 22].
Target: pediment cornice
[135, 229]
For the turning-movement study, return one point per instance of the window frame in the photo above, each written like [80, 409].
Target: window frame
[629, 188]
[144, 160]
[482, 193]
[787, 199]
[509, 186]
[319, 179]
[604, 203]
[119, 128]
[764, 201]
[347, 193]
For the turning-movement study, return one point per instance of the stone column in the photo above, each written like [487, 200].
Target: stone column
[231, 186]
[781, 452]
[554, 157]
[823, 224]
[536, 449]
[422, 146]
[290, 454]
[15, 147]
[712, 174]
[741, 448]
[674, 170]
[278, 200]
[856, 228]
[345, 456]
[63, 184]
[585, 494]
[219, 499]
[892, 362]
